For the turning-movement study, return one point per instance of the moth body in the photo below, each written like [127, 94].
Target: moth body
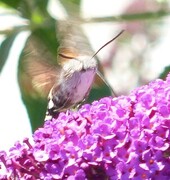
[74, 84]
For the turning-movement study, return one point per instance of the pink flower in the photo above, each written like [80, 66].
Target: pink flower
[114, 138]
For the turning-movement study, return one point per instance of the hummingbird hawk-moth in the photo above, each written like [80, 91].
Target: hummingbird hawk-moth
[69, 82]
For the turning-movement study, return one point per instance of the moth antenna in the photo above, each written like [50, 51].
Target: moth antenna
[98, 72]
[107, 43]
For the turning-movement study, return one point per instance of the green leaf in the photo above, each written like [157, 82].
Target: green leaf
[36, 108]
[12, 3]
[42, 6]
[28, 9]
[39, 13]
[164, 74]
[6, 47]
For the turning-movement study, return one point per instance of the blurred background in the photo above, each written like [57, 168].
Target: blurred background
[138, 56]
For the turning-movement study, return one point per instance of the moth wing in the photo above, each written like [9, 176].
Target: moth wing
[43, 75]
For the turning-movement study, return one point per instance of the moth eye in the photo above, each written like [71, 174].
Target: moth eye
[65, 56]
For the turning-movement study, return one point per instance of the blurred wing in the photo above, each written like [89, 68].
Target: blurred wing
[43, 76]
[71, 36]
[40, 67]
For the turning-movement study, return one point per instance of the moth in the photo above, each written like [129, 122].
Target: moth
[69, 83]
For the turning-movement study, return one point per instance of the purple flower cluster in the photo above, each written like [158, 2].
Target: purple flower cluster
[114, 138]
